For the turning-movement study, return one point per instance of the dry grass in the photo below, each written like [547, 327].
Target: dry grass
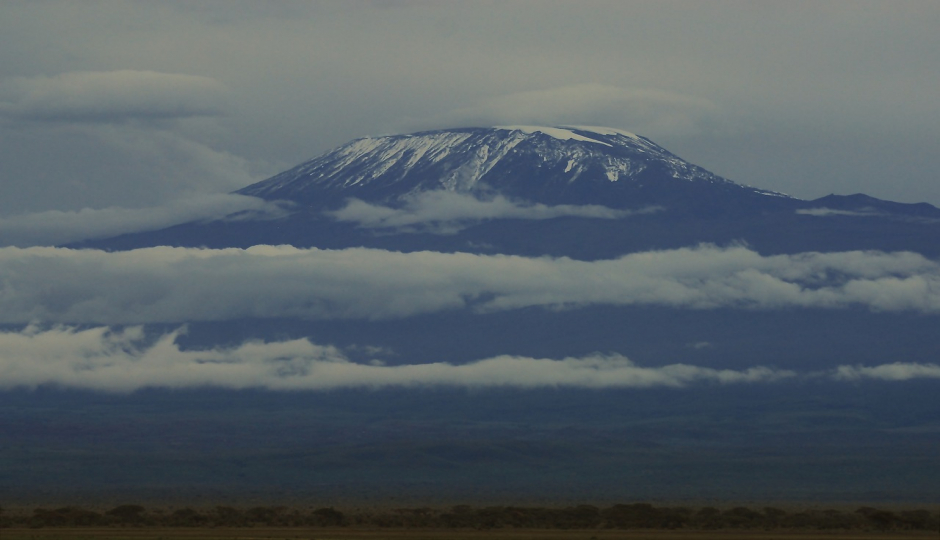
[437, 534]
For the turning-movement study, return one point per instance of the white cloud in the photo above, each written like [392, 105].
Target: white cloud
[823, 212]
[642, 110]
[58, 227]
[111, 96]
[897, 371]
[125, 360]
[165, 284]
[446, 212]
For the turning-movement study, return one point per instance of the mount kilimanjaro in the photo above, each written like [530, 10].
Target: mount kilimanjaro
[796, 358]
[585, 192]
[574, 165]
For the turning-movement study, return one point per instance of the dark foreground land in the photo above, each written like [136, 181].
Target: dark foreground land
[437, 534]
[637, 520]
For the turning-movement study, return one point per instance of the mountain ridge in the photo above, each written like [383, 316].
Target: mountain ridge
[555, 165]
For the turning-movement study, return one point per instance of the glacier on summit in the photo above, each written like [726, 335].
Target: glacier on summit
[552, 165]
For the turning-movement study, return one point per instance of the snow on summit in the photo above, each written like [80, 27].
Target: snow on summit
[560, 164]
[605, 131]
[562, 134]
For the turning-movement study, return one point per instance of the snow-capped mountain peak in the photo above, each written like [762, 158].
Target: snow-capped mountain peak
[573, 191]
[560, 133]
[551, 164]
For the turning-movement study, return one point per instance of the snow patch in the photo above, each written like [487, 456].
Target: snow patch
[605, 131]
[558, 133]
[773, 193]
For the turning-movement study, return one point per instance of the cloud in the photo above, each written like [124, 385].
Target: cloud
[822, 212]
[897, 371]
[784, 117]
[128, 359]
[166, 284]
[58, 227]
[124, 360]
[641, 110]
[447, 212]
[125, 165]
[111, 96]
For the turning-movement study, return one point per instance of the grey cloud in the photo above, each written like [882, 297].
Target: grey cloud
[822, 212]
[446, 212]
[112, 96]
[167, 284]
[125, 165]
[127, 359]
[58, 227]
[122, 360]
[643, 110]
[897, 371]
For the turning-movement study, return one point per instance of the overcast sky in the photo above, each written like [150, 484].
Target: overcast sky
[146, 104]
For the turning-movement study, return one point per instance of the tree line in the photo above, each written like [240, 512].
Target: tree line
[619, 516]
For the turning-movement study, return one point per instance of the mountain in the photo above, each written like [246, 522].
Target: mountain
[585, 192]
[541, 304]
[549, 165]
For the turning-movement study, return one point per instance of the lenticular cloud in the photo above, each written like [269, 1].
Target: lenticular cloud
[176, 285]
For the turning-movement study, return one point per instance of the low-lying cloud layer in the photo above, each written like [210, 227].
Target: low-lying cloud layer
[58, 227]
[447, 212]
[897, 371]
[123, 360]
[104, 359]
[165, 284]
[823, 212]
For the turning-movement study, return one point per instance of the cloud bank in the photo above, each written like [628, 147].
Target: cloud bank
[111, 96]
[447, 212]
[121, 360]
[166, 284]
[823, 212]
[897, 371]
[126, 359]
[59, 227]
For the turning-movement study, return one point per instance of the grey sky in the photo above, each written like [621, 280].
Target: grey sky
[141, 104]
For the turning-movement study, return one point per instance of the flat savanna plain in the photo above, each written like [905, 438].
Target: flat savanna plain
[292, 533]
